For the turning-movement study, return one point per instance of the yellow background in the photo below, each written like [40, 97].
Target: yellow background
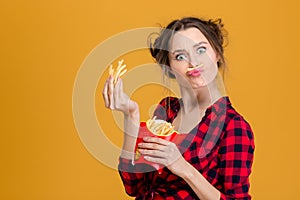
[43, 44]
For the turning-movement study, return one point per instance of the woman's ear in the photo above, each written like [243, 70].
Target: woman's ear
[218, 60]
[218, 57]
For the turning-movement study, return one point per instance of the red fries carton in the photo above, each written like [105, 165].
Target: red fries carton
[153, 128]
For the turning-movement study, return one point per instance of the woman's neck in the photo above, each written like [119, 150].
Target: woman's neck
[202, 97]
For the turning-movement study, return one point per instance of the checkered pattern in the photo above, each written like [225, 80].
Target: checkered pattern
[221, 148]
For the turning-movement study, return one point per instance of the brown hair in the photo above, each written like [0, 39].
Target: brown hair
[212, 29]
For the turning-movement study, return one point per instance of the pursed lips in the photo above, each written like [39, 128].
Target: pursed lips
[195, 71]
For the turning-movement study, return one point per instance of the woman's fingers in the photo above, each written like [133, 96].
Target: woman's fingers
[154, 143]
[105, 94]
[115, 98]
[156, 140]
[159, 153]
[119, 85]
[111, 93]
[154, 153]
[149, 145]
[120, 98]
[122, 101]
[117, 93]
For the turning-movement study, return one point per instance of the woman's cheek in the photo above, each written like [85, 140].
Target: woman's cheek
[210, 74]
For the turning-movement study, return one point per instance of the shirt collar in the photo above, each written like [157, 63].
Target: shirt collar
[219, 106]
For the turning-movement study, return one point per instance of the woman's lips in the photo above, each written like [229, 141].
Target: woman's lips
[195, 70]
[194, 73]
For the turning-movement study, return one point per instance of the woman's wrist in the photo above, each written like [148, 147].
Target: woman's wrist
[133, 115]
[187, 171]
[132, 120]
[132, 111]
[131, 130]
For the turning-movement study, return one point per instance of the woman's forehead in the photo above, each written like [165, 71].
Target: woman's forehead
[186, 39]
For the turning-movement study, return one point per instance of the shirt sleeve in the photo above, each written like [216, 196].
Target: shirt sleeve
[132, 180]
[236, 158]
[133, 176]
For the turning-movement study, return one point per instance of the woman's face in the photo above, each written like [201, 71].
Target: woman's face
[192, 58]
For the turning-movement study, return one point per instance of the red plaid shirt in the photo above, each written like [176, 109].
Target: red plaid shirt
[220, 147]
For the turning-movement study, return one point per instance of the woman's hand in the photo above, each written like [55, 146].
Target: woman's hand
[116, 99]
[161, 151]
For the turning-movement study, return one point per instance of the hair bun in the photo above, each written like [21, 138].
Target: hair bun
[217, 26]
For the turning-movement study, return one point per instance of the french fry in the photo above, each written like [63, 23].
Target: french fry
[154, 127]
[159, 127]
[193, 68]
[171, 130]
[118, 72]
[150, 122]
[162, 130]
[120, 62]
[122, 73]
[167, 130]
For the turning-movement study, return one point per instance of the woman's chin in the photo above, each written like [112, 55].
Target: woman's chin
[198, 86]
[194, 85]
[198, 83]
[195, 82]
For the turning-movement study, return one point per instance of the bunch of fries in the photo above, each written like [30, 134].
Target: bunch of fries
[157, 127]
[120, 71]
[160, 127]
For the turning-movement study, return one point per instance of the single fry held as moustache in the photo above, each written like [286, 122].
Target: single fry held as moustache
[117, 73]
[197, 67]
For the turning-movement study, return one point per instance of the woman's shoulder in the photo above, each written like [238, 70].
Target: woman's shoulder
[236, 123]
[233, 115]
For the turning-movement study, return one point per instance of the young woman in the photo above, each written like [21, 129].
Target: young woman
[215, 158]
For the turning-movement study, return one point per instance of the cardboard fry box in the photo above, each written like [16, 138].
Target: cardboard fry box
[144, 131]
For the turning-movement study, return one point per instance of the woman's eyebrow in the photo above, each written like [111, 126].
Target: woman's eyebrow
[195, 45]
[200, 43]
[178, 50]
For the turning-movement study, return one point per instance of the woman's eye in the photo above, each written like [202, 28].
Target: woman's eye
[201, 50]
[181, 57]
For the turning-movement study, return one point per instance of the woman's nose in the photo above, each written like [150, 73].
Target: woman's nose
[194, 61]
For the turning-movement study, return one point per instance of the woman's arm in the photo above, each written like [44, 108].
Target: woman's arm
[116, 99]
[203, 189]
[236, 157]
[131, 177]
[131, 128]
